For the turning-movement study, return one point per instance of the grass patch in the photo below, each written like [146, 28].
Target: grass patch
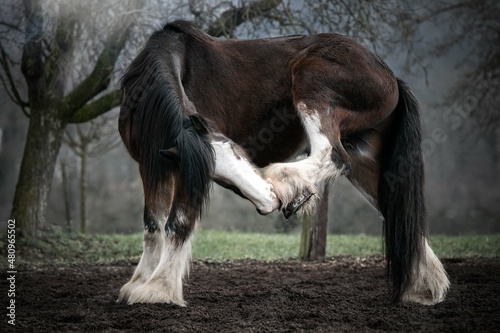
[58, 247]
[466, 246]
[220, 245]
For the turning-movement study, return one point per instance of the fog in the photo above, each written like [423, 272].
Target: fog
[462, 159]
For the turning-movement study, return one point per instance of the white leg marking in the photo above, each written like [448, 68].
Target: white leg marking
[165, 283]
[430, 283]
[153, 247]
[234, 169]
[290, 179]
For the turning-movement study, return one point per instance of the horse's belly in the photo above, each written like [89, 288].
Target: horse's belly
[277, 138]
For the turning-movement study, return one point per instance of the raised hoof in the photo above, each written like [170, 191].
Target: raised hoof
[295, 205]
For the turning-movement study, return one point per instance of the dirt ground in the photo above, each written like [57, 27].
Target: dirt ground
[341, 294]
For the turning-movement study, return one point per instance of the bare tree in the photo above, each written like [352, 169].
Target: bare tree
[52, 99]
[89, 140]
[474, 28]
[66, 193]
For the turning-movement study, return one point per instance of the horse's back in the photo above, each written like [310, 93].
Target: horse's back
[250, 88]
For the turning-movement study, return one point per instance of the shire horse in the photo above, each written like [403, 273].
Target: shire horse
[196, 109]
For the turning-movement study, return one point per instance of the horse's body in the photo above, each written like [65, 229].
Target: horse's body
[195, 108]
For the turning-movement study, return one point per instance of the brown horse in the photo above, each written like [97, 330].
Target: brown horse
[195, 108]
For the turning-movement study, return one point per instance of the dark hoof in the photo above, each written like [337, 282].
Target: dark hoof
[294, 206]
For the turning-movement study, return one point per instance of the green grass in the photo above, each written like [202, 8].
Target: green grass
[221, 245]
[57, 247]
[466, 246]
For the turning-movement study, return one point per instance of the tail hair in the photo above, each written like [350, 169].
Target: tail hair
[401, 196]
[153, 118]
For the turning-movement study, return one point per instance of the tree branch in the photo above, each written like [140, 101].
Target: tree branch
[440, 10]
[32, 63]
[100, 77]
[95, 108]
[11, 26]
[232, 18]
[57, 51]
[12, 92]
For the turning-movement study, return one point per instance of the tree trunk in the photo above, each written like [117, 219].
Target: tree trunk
[314, 227]
[305, 237]
[67, 209]
[320, 223]
[83, 189]
[43, 142]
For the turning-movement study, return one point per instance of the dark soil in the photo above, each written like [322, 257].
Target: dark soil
[341, 294]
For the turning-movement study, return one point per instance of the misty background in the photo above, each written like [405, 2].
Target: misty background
[462, 153]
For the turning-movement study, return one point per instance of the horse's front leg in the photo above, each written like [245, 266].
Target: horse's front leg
[234, 171]
[295, 182]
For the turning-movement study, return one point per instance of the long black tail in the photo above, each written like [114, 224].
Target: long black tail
[153, 117]
[401, 197]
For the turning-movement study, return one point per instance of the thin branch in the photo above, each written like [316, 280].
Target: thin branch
[11, 26]
[12, 92]
[232, 18]
[105, 147]
[70, 141]
[439, 11]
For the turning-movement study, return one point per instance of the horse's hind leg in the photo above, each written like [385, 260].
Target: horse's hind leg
[429, 283]
[423, 279]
